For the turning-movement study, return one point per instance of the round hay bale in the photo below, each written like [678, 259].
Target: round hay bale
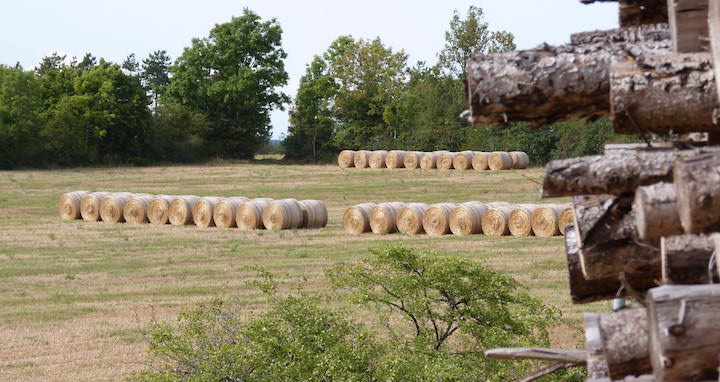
[356, 219]
[90, 205]
[113, 206]
[463, 160]
[362, 159]
[429, 161]
[346, 159]
[69, 204]
[520, 160]
[136, 209]
[545, 220]
[395, 159]
[249, 214]
[412, 159]
[282, 214]
[377, 159]
[480, 161]
[158, 208]
[495, 221]
[436, 220]
[520, 219]
[314, 214]
[445, 160]
[180, 210]
[499, 160]
[224, 214]
[409, 219]
[204, 210]
[466, 218]
[384, 216]
[566, 218]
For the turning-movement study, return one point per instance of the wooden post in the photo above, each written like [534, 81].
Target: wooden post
[688, 21]
[617, 344]
[656, 212]
[684, 332]
[685, 259]
[697, 184]
[714, 35]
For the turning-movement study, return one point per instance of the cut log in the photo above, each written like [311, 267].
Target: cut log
[663, 93]
[688, 21]
[656, 213]
[558, 355]
[697, 184]
[547, 84]
[617, 344]
[639, 12]
[582, 290]
[684, 332]
[641, 33]
[685, 259]
[614, 173]
[714, 35]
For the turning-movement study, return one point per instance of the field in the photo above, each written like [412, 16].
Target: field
[75, 297]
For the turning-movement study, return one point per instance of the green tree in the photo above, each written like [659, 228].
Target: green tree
[468, 36]
[155, 74]
[232, 76]
[20, 105]
[131, 65]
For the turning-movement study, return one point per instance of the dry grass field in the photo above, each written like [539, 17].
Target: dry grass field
[75, 297]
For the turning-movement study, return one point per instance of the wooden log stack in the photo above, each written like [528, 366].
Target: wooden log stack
[646, 216]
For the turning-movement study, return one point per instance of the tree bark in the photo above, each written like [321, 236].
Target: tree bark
[617, 344]
[639, 12]
[546, 84]
[614, 173]
[656, 213]
[685, 259]
[636, 34]
[684, 332]
[688, 21]
[663, 93]
[697, 183]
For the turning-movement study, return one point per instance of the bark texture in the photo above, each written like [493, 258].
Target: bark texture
[684, 332]
[634, 34]
[697, 183]
[663, 93]
[685, 259]
[656, 213]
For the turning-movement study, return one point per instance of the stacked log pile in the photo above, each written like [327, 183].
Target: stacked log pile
[647, 216]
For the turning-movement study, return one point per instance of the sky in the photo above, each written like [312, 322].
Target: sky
[32, 29]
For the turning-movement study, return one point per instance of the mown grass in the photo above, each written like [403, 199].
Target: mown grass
[76, 296]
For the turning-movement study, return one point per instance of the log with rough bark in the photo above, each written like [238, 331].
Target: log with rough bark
[697, 183]
[547, 84]
[656, 213]
[638, 12]
[663, 93]
[582, 290]
[640, 33]
[617, 344]
[685, 259]
[558, 355]
[684, 332]
[613, 173]
[688, 21]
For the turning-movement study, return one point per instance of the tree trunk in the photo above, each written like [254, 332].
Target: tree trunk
[546, 84]
[639, 12]
[617, 344]
[684, 332]
[697, 183]
[685, 259]
[613, 173]
[688, 21]
[663, 93]
[634, 34]
[656, 213]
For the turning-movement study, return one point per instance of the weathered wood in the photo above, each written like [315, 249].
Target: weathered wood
[617, 343]
[684, 332]
[663, 93]
[697, 183]
[685, 259]
[656, 213]
[688, 21]
[582, 290]
[714, 35]
[546, 84]
[613, 173]
[558, 355]
[640, 33]
[638, 12]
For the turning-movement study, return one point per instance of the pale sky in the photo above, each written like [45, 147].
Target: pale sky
[32, 29]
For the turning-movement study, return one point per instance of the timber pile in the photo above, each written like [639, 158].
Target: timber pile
[233, 212]
[443, 160]
[462, 219]
[647, 216]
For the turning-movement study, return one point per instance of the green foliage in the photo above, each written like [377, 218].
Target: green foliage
[178, 134]
[232, 77]
[20, 103]
[453, 310]
[156, 74]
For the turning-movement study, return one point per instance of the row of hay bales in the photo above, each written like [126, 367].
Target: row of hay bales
[470, 218]
[444, 160]
[240, 212]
